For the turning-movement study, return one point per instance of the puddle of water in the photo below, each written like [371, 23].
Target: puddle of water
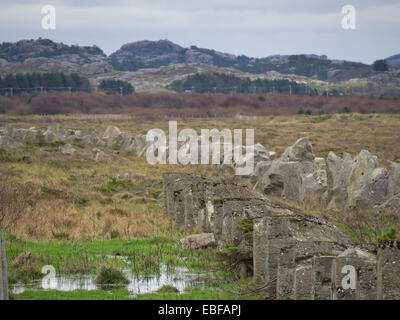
[180, 279]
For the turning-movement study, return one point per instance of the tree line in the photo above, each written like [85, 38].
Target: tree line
[116, 86]
[224, 83]
[27, 82]
[15, 84]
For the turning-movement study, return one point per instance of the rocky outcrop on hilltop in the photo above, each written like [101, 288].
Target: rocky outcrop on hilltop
[136, 55]
[26, 49]
[153, 54]
[44, 55]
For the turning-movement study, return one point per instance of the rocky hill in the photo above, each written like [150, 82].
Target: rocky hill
[153, 54]
[393, 61]
[45, 48]
[155, 64]
[44, 55]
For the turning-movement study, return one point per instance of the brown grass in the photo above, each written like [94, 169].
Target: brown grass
[160, 105]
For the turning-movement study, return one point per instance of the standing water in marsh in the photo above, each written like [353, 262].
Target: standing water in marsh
[180, 279]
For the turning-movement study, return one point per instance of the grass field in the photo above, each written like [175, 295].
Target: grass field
[83, 213]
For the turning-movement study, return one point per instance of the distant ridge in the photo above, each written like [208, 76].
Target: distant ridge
[154, 54]
[45, 55]
[393, 61]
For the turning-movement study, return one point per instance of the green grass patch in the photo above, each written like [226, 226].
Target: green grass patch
[115, 294]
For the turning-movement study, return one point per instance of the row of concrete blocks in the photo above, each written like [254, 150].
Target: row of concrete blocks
[306, 258]
[294, 256]
[197, 204]
[323, 279]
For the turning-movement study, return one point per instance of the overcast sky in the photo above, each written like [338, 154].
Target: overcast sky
[257, 28]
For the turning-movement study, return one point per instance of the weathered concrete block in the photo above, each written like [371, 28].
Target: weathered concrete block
[367, 184]
[285, 271]
[216, 218]
[259, 251]
[296, 254]
[322, 278]
[278, 252]
[388, 272]
[394, 178]
[292, 181]
[194, 206]
[303, 283]
[232, 214]
[179, 209]
[198, 241]
[168, 191]
[364, 263]
[338, 173]
[238, 216]
[274, 235]
[174, 185]
[216, 194]
[285, 283]
[3, 269]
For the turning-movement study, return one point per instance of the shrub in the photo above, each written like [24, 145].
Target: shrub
[14, 200]
[387, 235]
[110, 276]
[115, 86]
[345, 110]
[166, 288]
[380, 65]
[154, 106]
